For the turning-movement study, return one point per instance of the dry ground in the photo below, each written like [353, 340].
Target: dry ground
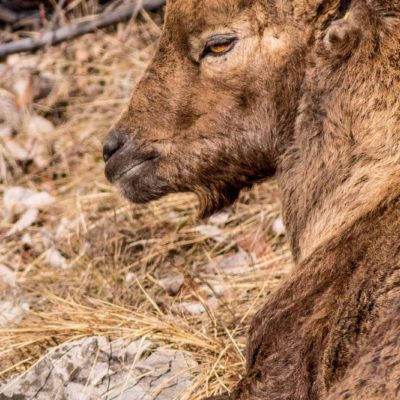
[91, 264]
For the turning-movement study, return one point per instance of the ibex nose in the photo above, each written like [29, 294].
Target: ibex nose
[112, 144]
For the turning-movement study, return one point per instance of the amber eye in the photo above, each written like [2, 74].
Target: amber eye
[220, 48]
[219, 45]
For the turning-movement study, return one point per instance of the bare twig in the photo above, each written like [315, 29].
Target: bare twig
[77, 29]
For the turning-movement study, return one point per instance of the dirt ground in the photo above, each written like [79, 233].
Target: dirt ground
[77, 260]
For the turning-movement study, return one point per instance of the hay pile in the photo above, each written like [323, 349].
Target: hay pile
[88, 263]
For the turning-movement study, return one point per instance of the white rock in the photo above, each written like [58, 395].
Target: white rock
[278, 227]
[130, 277]
[214, 288]
[94, 368]
[15, 150]
[38, 152]
[190, 308]
[195, 308]
[11, 312]
[172, 284]
[18, 199]
[7, 276]
[237, 263]
[65, 228]
[220, 218]
[9, 112]
[39, 126]
[55, 259]
[26, 239]
[26, 220]
[211, 231]
[6, 131]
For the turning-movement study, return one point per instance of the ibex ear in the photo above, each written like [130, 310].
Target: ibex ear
[343, 35]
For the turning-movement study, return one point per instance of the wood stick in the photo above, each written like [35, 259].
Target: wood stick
[79, 28]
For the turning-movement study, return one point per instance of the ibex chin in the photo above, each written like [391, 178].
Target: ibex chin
[308, 91]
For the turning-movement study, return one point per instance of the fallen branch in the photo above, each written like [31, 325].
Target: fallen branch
[78, 29]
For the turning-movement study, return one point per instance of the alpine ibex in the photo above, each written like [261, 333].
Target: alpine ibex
[307, 90]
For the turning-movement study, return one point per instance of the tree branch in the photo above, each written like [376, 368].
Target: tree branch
[79, 28]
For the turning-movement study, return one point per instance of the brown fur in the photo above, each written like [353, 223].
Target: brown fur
[331, 331]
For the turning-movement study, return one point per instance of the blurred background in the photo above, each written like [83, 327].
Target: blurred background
[82, 269]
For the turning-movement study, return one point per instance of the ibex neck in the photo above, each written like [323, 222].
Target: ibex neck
[344, 160]
[362, 193]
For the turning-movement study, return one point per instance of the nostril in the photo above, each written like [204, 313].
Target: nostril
[113, 143]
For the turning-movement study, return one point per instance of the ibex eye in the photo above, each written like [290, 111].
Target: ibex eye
[219, 45]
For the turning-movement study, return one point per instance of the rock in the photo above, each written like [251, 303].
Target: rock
[9, 112]
[26, 239]
[130, 277]
[278, 227]
[17, 200]
[196, 308]
[6, 131]
[10, 313]
[38, 126]
[94, 368]
[7, 276]
[190, 308]
[214, 288]
[211, 231]
[238, 263]
[220, 219]
[55, 259]
[27, 219]
[15, 150]
[65, 228]
[172, 284]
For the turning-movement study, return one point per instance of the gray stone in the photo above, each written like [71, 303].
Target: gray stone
[96, 368]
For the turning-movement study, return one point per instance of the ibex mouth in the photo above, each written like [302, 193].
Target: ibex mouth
[115, 173]
[129, 172]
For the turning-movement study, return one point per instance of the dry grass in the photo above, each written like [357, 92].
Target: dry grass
[118, 252]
